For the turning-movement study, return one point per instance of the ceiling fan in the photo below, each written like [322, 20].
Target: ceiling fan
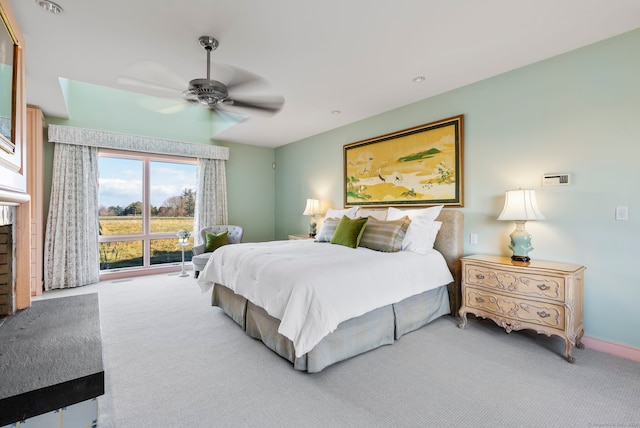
[214, 94]
[211, 93]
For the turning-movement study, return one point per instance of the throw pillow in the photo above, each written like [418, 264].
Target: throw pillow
[385, 236]
[349, 231]
[327, 230]
[214, 241]
[422, 231]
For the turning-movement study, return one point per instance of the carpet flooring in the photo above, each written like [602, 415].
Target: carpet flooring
[172, 360]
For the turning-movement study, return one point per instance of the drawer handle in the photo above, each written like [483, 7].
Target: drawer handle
[543, 287]
[479, 300]
[479, 276]
[543, 314]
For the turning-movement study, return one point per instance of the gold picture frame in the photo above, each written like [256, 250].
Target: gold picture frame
[419, 166]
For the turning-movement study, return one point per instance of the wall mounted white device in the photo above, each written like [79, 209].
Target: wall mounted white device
[561, 179]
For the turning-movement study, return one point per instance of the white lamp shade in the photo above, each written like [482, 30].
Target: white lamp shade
[520, 205]
[312, 208]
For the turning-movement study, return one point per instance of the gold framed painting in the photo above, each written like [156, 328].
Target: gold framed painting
[419, 166]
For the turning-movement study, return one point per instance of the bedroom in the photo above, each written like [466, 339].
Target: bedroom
[575, 113]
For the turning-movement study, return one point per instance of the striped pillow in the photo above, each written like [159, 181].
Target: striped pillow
[327, 230]
[385, 236]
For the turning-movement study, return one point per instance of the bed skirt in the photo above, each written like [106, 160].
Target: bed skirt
[379, 327]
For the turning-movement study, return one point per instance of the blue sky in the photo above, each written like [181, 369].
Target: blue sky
[121, 181]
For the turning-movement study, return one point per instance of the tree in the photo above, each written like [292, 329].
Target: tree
[189, 202]
[134, 208]
[179, 206]
[117, 210]
[173, 207]
[110, 211]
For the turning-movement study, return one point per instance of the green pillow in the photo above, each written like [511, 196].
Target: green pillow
[349, 231]
[215, 240]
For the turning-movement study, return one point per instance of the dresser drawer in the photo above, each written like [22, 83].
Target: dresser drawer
[544, 314]
[525, 284]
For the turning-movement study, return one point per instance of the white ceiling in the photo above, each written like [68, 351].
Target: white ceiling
[355, 56]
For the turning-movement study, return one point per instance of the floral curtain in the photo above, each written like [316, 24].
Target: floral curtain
[211, 195]
[71, 253]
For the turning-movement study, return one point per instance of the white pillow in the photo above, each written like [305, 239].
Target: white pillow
[422, 231]
[433, 234]
[349, 212]
[430, 213]
[377, 214]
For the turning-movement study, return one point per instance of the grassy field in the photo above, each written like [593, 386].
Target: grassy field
[121, 254]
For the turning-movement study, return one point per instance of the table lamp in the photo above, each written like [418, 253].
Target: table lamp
[312, 209]
[520, 206]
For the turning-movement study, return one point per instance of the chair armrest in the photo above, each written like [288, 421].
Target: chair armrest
[198, 249]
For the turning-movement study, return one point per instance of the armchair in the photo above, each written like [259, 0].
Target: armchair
[201, 256]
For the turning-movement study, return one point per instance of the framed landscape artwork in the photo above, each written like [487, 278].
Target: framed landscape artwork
[414, 167]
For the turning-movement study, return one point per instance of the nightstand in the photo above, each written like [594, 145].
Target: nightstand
[301, 236]
[543, 296]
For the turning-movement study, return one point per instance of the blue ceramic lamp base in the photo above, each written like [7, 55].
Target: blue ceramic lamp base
[520, 243]
[312, 227]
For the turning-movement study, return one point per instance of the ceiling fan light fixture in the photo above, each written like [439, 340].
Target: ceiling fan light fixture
[49, 6]
[208, 92]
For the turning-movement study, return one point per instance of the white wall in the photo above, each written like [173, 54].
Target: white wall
[577, 113]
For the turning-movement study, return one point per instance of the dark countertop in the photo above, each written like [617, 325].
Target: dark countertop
[50, 357]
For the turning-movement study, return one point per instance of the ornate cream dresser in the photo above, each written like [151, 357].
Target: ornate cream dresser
[542, 296]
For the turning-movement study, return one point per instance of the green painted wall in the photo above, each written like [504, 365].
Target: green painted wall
[251, 190]
[575, 113]
[250, 176]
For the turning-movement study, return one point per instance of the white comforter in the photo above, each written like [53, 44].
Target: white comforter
[312, 287]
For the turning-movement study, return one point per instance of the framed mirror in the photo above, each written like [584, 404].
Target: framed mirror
[8, 45]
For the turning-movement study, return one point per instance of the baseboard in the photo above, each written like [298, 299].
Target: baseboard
[616, 349]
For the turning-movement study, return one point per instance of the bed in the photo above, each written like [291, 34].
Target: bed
[285, 325]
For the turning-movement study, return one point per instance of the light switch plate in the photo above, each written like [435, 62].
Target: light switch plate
[622, 213]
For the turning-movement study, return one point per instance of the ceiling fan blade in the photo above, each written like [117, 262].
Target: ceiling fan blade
[152, 75]
[129, 81]
[229, 116]
[236, 78]
[162, 105]
[264, 104]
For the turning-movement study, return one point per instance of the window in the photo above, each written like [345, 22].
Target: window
[144, 201]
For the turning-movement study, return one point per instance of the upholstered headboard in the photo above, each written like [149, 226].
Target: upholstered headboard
[450, 242]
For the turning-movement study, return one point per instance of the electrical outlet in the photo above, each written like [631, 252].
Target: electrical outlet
[622, 213]
[473, 238]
